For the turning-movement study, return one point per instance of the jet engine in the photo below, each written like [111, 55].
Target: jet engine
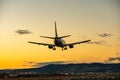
[50, 47]
[71, 46]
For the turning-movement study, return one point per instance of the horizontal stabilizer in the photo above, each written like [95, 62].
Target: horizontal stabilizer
[65, 36]
[47, 37]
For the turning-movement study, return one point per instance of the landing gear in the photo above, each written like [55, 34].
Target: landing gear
[54, 48]
[64, 48]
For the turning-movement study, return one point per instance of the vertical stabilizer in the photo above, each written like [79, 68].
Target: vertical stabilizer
[56, 35]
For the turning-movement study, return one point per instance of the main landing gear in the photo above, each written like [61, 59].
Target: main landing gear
[54, 48]
[64, 48]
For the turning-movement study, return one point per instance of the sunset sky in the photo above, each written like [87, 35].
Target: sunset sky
[98, 20]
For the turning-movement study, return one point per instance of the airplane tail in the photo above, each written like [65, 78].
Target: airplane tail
[56, 34]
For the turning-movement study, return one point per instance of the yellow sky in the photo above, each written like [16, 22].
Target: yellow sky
[83, 19]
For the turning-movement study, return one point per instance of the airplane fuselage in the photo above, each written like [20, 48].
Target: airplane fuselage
[59, 42]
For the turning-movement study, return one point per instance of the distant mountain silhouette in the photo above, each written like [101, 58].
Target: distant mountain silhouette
[73, 68]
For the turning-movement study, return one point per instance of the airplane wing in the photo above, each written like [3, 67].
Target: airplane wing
[45, 44]
[77, 43]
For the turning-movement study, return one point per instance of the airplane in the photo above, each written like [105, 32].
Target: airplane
[58, 41]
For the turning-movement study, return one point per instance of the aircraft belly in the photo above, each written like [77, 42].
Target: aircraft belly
[59, 43]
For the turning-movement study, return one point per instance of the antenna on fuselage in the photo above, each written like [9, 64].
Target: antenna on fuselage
[56, 35]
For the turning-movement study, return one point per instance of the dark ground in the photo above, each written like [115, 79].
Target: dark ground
[82, 76]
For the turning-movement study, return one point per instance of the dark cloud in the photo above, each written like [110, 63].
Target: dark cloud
[112, 59]
[40, 64]
[47, 63]
[21, 32]
[26, 63]
[104, 35]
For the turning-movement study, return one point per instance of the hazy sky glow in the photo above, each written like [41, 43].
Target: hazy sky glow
[97, 20]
